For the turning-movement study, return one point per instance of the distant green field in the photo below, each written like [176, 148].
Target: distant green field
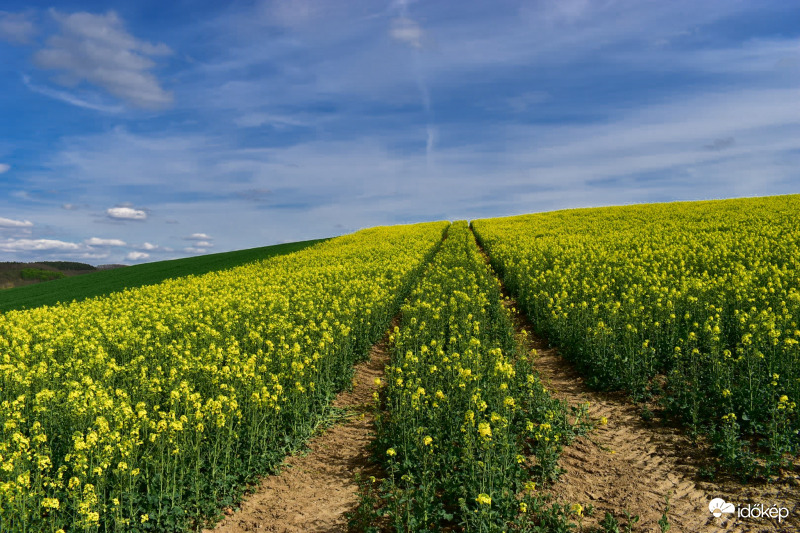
[118, 279]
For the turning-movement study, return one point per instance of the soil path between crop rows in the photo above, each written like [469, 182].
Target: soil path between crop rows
[629, 464]
[314, 490]
[632, 464]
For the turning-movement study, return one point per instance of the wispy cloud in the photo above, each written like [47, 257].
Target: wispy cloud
[255, 195]
[26, 245]
[720, 144]
[97, 241]
[407, 31]
[97, 49]
[16, 28]
[4, 167]
[69, 98]
[527, 100]
[194, 250]
[257, 119]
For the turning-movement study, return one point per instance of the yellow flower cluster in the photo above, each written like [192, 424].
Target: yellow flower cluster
[707, 293]
[155, 401]
[457, 404]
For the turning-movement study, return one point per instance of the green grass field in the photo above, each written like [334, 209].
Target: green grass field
[107, 281]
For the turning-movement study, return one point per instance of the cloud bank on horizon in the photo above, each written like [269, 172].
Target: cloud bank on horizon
[137, 131]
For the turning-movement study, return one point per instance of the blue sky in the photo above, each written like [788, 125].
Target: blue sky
[140, 131]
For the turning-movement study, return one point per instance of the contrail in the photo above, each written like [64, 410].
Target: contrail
[411, 33]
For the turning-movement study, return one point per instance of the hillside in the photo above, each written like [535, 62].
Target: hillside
[79, 284]
[14, 274]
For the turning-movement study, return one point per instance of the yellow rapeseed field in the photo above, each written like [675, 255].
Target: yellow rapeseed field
[706, 294]
[464, 411]
[148, 409]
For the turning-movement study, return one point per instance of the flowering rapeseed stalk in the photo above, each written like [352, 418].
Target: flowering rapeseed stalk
[452, 382]
[706, 293]
[143, 409]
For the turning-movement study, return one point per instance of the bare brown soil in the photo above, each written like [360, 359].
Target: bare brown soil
[314, 490]
[630, 464]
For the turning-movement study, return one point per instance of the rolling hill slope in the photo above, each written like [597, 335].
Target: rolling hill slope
[108, 281]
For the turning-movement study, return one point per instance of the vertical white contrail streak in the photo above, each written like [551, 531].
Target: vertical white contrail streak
[409, 31]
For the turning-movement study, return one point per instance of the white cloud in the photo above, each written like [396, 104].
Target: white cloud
[4, 168]
[198, 237]
[96, 241]
[126, 213]
[150, 247]
[194, 250]
[203, 244]
[97, 49]
[92, 256]
[407, 30]
[27, 245]
[16, 28]
[11, 223]
[136, 256]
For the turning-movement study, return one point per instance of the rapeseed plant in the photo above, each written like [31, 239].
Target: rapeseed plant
[146, 410]
[704, 293]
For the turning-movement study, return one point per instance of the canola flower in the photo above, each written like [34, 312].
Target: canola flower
[454, 381]
[705, 293]
[141, 410]
[484, 499]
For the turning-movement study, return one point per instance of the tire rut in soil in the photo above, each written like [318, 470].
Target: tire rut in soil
[648, 462]
[314, 490]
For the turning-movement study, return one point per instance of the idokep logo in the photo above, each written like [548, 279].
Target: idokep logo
[718, 506]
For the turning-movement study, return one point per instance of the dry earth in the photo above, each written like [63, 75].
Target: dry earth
[314, 490]
[632, 464]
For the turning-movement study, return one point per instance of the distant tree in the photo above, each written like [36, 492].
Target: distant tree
[39, 274]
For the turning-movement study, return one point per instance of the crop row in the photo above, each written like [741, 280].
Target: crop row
[148, 409]
[704, 294]
[464, 425]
